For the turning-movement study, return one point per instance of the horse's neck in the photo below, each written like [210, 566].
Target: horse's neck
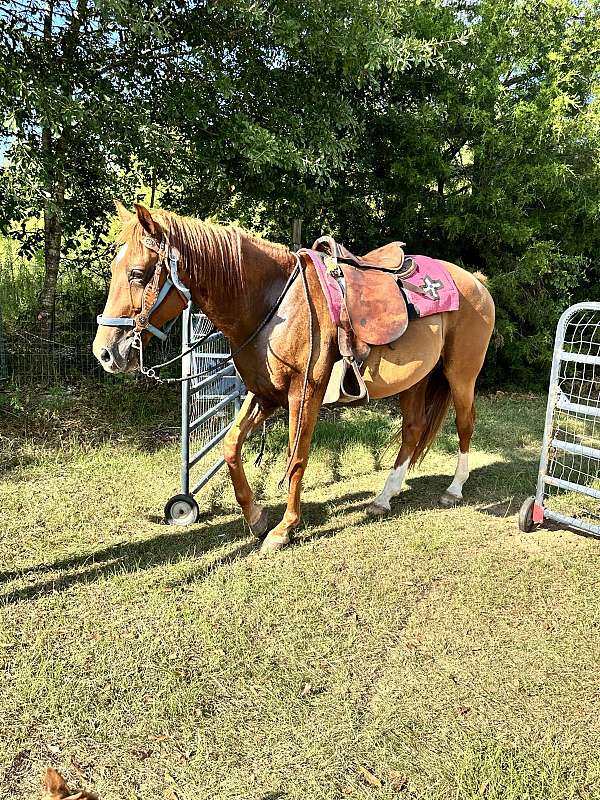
[238, 307]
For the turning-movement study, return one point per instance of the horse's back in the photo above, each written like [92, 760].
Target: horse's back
[394, 368]
[475, 298]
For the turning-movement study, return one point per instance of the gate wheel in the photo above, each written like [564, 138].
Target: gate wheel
[526, 523]
[182, 510]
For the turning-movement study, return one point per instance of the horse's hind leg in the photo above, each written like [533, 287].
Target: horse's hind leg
[468, 333]
[412, 404]
[250, 416]
[463, 397]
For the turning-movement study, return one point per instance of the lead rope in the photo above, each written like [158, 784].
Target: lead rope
[305, 383]
[263, 441]
[150, 372]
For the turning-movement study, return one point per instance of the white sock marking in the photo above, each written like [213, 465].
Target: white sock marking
[460, 476]
[393, 485]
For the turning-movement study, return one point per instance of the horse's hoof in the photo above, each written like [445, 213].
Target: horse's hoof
[448, 500]
[274, 542]
[375, 510]
[260, 527]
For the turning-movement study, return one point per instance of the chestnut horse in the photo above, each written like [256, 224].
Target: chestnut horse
[236, 279]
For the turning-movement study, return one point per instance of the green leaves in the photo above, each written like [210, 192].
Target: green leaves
[472, 131]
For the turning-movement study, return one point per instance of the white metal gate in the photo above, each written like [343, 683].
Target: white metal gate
[209, 405]
[568, 487]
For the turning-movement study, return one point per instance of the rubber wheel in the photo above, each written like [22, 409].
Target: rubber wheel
[526, 523]
[182, 510]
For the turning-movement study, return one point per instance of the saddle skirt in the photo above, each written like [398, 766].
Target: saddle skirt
[376, 307]
[438, 291]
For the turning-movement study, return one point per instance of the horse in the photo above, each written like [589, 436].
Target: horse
[275, 314]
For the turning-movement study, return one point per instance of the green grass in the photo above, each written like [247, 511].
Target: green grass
[431, 654]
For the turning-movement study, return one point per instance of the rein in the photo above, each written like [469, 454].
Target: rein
[150, 372]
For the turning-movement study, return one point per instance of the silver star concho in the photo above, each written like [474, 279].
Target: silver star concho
[430, 288]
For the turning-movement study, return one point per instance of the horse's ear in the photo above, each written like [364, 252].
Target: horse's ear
[145, 219]
[54, 783]
[124, 214]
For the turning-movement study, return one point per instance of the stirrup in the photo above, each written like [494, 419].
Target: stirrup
[346, 385]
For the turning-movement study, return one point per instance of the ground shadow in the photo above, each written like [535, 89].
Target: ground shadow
[167, 546]
[510, 480]
[553, 527]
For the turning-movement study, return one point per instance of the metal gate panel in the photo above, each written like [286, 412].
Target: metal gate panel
[209, 405]
[568, 488]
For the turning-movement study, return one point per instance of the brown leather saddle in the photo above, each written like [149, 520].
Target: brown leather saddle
[374, 310]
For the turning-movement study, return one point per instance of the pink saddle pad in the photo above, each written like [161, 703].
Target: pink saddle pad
[329, 285]
[430, 275]
[440, 290]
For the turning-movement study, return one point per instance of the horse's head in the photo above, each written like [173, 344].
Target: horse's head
[146, 294]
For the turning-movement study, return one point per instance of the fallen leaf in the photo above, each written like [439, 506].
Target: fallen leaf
[371, 779]
[142, 754]
[79, 769]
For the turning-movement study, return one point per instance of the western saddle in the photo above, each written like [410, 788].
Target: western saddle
[373, 311]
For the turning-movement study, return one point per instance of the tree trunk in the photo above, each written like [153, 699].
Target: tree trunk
[52, 207]
[55, 186]
[53, 150]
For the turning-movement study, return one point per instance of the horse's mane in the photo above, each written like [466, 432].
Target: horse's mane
[214, 251]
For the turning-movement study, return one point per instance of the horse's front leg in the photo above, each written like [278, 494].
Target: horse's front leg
[280, 535]
[250, 416]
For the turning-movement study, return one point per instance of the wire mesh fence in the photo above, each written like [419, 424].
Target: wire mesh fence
[27, 357]
[3, 363]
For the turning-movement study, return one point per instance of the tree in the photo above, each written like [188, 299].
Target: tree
[469, 128]
[491, 158]
[72, 83]
[207, 101]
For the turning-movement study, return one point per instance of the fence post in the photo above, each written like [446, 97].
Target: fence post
[3, 363]
[296, 234]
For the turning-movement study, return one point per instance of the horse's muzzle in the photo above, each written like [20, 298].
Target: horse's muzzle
[115, 353]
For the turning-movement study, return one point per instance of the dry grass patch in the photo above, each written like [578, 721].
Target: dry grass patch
[431, 654]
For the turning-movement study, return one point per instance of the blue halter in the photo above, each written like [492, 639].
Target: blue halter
[141, 321]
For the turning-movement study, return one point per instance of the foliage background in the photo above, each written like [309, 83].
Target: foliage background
[468, 128]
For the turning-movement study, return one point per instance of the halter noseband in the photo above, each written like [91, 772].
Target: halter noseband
[153, 296]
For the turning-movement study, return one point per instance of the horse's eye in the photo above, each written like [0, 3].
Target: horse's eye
[136, 274]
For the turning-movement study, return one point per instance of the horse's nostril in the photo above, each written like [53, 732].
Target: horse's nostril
[105, 355]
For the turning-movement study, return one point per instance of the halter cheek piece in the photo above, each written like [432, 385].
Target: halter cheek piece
[153, 296]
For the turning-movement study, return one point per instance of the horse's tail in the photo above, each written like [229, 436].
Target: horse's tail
[437, 400]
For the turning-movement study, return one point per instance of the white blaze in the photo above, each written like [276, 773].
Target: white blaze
[121, 254]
